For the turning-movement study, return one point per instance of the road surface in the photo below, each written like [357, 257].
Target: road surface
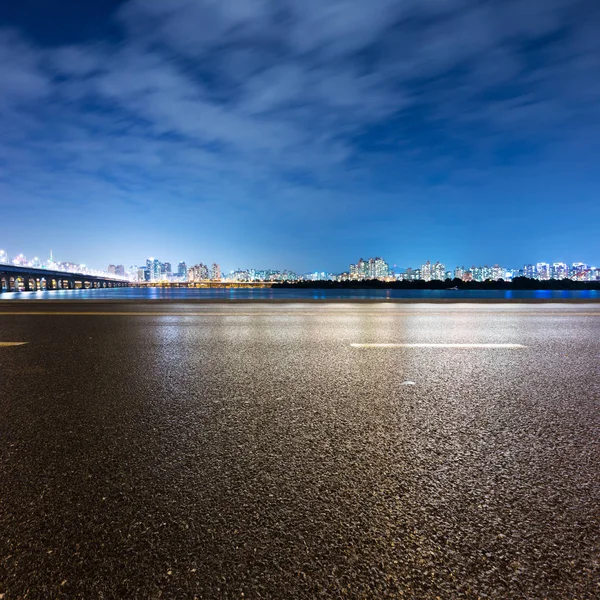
[299, 450]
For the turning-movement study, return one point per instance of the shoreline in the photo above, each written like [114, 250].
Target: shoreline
[150, 301]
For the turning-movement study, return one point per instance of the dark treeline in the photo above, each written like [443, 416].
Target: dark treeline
[518, 283]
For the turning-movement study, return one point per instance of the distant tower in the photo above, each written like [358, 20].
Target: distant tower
[182, 271]
[215, 272]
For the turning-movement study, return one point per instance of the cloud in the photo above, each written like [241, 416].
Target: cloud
[23, 79]
[305, 95]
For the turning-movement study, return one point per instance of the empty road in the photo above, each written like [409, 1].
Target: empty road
[299, 450]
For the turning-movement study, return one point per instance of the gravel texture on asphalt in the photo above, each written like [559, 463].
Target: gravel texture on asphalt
[251, 452]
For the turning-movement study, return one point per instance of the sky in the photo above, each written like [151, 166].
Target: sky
[301, 134]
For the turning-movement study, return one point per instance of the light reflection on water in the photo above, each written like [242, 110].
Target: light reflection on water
[290, 294]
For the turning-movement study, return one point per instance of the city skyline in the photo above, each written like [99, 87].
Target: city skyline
[154, 270]
[301, 131]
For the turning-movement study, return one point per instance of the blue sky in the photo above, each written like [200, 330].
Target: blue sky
[301, 134]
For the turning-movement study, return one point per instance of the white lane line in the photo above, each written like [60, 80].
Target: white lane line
[6, 344]
[438, 346]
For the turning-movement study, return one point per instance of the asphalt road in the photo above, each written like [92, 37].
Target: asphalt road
[276, 451]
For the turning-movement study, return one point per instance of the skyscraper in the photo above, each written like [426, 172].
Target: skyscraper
[153, 268]
[560, 271]
[198, 272]
[165, 271]
[374, 268]
[438, 271]
[543, 271]
[426, 271]
[497, 273]
[529, 271]
[215, 272]
[182, 271]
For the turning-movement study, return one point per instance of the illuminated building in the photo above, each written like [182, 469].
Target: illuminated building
[579, 271]
[215, 272]
[374, 268]
[153, 268]
[182, 271]
[560, 271]
[426, 271]
[497, 273]
[543, 271]
[477, 273]
[438, 272]
[198, 272]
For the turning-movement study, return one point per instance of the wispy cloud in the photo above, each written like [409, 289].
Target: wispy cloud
[289, 98]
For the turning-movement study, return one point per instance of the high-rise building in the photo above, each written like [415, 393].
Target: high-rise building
[478, 273]
[497, 273]
[165, 271]
[543, 271]
[529, 271]
[215, 272]
[426, 271]
[438, 272]
[458, 272]
[378, 268]
[487, 273]
[374, 268]
[182, 271]
[559, 271]
[360, 270]
[579, 271]
[198, 272]
[154, 268]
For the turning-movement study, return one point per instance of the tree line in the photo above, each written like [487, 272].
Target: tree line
[518, 283]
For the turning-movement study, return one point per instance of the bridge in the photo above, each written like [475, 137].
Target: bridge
[15, 279]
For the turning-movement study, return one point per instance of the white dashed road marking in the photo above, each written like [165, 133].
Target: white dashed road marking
[509, 346]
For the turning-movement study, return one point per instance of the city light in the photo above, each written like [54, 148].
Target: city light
[154, 271]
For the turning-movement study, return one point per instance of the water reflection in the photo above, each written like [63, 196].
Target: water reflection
[300, 294]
